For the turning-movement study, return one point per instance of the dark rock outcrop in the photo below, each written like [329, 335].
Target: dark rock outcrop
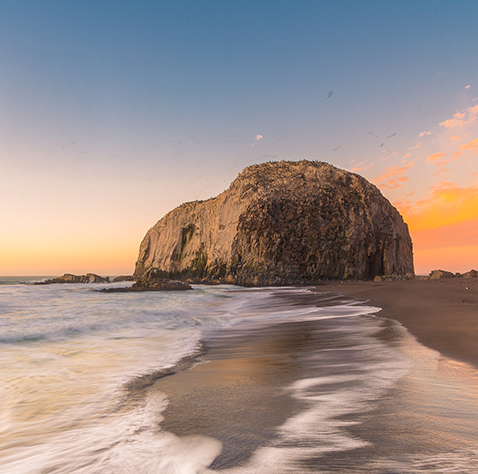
[69, 278]
[282, 223]
[438, 274]
[153, 280]
[408, 276]
[123, 278]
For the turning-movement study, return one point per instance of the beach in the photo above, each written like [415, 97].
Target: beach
[236, 395]
[352, 377]
[441, 313]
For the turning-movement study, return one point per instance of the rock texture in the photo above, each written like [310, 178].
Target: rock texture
[153, 280]
[439, 274]
[280, 223]
[69, 278]
[123, 278]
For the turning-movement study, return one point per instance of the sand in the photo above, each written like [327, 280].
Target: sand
[442, 314]
[236, 395]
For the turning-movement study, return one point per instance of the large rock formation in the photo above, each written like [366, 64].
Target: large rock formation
[279, 223]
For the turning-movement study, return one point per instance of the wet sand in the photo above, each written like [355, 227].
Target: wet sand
[236, 394]
[442, 314]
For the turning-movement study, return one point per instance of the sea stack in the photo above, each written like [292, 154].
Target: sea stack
[282, 223]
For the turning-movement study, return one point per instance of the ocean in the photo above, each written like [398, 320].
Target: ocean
[223, 379]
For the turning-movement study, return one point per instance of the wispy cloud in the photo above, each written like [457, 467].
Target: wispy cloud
[393, 177]
[461, 118]
[473, 145]
[442, 213]
[256, 139]
[360, 166]
[445, 203]
[435, 157]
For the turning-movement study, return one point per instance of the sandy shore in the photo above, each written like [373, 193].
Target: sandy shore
[237, 396]
[441, 314]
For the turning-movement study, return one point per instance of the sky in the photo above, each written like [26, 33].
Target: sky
[114, 112]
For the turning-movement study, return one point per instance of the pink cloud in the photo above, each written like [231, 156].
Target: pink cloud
[256, 139]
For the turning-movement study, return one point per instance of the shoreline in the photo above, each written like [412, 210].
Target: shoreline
[239, 393]
[442, 314]
[236, 393]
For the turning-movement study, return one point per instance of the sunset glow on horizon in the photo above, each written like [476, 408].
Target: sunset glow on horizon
[113, 114]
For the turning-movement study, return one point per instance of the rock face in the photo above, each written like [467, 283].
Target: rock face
[69, 278]
[280, 223]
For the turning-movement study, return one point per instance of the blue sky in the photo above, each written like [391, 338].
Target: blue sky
[114, 112]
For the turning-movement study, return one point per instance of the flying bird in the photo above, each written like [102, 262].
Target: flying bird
[392, 135]
[337, 148]
[373, 134]
[381, 145]
[329, 95]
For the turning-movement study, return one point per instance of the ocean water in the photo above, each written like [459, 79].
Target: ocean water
[79, 390]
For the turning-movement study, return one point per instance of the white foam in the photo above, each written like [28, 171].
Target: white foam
[123, 443]
[373, 367]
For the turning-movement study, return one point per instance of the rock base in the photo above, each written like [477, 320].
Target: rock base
[70, 278]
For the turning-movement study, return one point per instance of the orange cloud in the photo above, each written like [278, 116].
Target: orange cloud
[392, 178]
[473, 145]
[442, 171]
[459, 119]
[447, 204]
[360, 166]
[444, 228]
[435, 156]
